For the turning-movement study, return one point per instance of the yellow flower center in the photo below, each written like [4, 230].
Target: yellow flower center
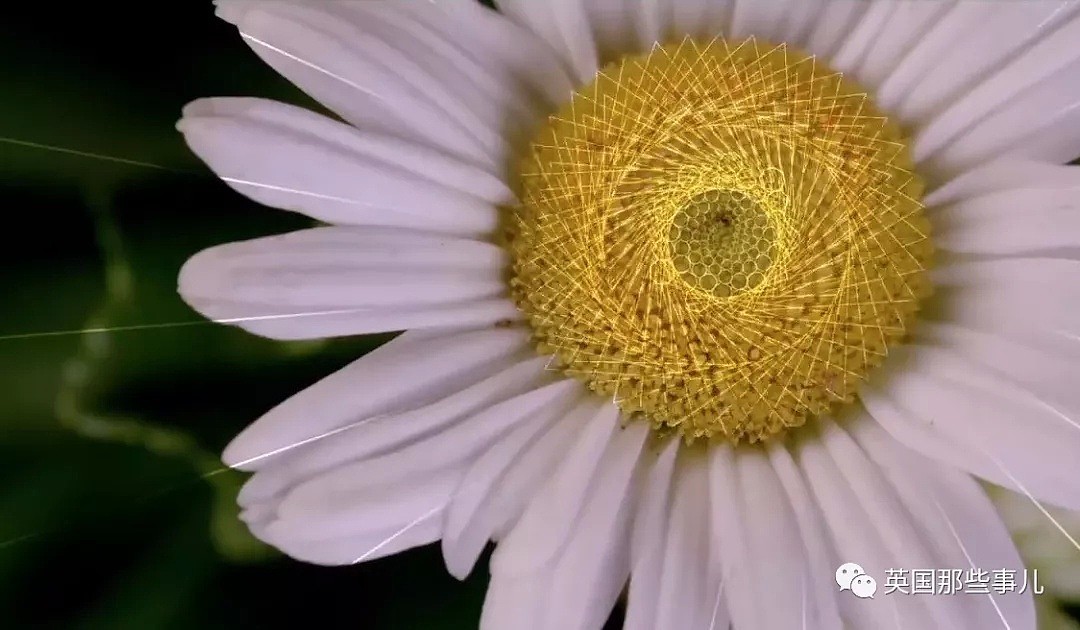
[724, 238]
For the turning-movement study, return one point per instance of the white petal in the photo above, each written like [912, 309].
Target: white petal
[467, 87]
[1011, 222]
[1026, 299]
[287, 167]
[337, 267]
[408, 372]
[730, 539]
[1022, 126]
[292, 323]
[821, 557]
[550, 517]
[865, 31]
[563, 24]
[529, 473]
[1052, 372]
[368, 147]
[335, 281]
[988, 425]
[982, 37]
[596, 560]
[800, 20]
[347, 63]
[906, 35]
[614, 29]
[868, 527]
[519, 603]
[588, 570]
[1019, 275]
[832, 24]
[369, 523]
[409, 516]
[701, 18]
[572, 19]
[775, 556]
[652, 22]
[1045, 60]
[648, 540]
[959, 520]
[1054, 141]
[379, 435]
[518, 55]
[469, 521]
[691, 592]
[762, 20]
[338, 502]
[1001, 175]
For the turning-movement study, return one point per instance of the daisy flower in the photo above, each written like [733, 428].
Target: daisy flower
[702, 299]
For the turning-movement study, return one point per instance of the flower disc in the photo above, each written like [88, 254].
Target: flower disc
[725, 238]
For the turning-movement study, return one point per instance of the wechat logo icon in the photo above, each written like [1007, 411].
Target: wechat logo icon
[852, 577]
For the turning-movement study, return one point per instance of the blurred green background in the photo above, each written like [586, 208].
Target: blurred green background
[114, 511]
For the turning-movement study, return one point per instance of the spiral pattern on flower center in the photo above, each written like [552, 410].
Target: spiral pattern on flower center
[723, 237]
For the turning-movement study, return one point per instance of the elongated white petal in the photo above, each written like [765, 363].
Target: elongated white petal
[650, 23]
[413, 370]
[326, 181]
[896, 52]
[696, 17]
[550, 517]
[563, 24]
[379, 435]
[322, 512]
[399, 518]
[972, 417]
[866, 522]
[982, 38]
[324, 269]
[516, 53]
[529, 473]
[613, 26]
[327, 505]
[775, 556]
[864, 32]
[691, 595]
[1041, 123]
[516, 602]
[763, 20]
[1011, 222]
[278, 322]
[366, 146]
[596, 560]
[364, 71]
[1011, 173]
[730, 537]
[1042, 66]
[832, 22]
[1026, 299]
[960, 523]
[1051, 372]
[821, 555]
[649, 538]
[588, 569]
[470, 522]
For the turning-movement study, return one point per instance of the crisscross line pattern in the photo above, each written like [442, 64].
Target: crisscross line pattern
[725, 238]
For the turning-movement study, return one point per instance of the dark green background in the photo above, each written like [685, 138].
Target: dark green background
[114, 512]
[111, 513]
